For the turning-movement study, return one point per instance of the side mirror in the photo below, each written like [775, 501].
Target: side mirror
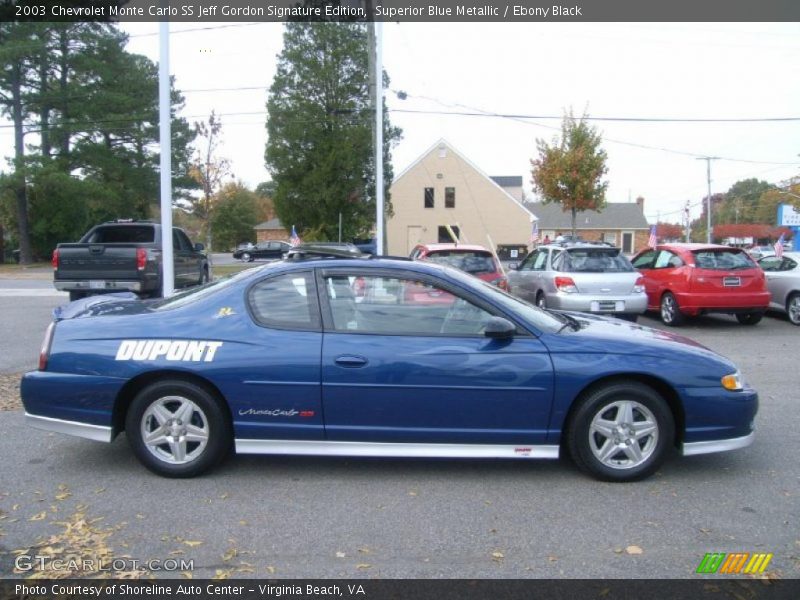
[499, 328]
[199, 247]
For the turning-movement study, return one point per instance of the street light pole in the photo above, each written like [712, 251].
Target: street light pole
[708, 160]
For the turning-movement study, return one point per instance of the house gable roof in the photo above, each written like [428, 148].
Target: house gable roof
[271, 224]
[507, 180]
[615, 215]
[491, 180]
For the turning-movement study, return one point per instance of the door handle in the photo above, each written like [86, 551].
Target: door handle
[351, 361]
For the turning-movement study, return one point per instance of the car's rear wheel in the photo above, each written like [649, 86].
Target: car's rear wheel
[247, 257]
[541, 301]
[670, 311]
[178, 429]
[203, 277]
[620, 432]
[750, 318]
[793, 309]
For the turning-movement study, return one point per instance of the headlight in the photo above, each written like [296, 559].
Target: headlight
[733, 382]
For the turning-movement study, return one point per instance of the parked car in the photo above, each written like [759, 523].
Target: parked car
[123, 256]
[470, 258]
[783, 282]
[580, 276]
[686, 280]
[269, 249]
[761, 251]
[281, 359]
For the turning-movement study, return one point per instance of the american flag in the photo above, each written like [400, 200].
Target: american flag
[294, 240]
[779, 247]
[535, 232]
[652, 241]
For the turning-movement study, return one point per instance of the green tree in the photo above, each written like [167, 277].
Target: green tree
[89, 110]
[569, 172]
[741, 202]
[235, 215]
[209, 170]
[320, 142]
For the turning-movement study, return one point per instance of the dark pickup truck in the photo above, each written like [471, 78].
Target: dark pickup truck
[125, 256]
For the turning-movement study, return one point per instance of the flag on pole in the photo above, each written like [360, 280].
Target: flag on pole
[294, 240]
[779, 247]
[535, 233]
[652, 241]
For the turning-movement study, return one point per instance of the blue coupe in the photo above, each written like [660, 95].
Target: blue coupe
[320, 354]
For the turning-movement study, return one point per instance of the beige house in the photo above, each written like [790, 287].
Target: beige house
[271, 230]
[442, 189]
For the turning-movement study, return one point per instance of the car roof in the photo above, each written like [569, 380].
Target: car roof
[467, 247]
[692, 246]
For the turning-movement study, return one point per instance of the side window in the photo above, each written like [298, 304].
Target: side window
[558, 261]
[541, 261]
[428, 197]
[668, 260]
[449, 197]
[176, 240]
[392, 306]
[527, 263]
[771, 263]
[285, 302]
[185, 241]
[645, 261]
[788, 264]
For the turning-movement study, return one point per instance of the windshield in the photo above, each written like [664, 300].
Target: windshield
[722, 260]
[594, 260]
[473, 262]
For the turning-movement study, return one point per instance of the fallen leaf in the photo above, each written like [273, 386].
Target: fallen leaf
[242, 522]
[139, 516]
[63, 495]
[186, 574]
[364, 550]
[497, 555]
[15, 507]
[177, 552]
[271, 569]
[412, 493]
[192, 543]
[552, 558]
[363, 566]
[223, 496]
[230, 555]
[39, 516]
[634, 550]
[99, 490]
[618, 550]
[340, 555]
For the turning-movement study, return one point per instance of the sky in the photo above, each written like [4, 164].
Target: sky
[631, 70]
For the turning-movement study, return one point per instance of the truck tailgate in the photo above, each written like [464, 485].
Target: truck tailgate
[97, 261]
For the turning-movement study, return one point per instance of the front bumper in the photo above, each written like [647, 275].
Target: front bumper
[713, 446]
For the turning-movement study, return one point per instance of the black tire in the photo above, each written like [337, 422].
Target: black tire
[793, 309]
[76, 296]
[203, 277]
[670, 311]
[630, 317]
[648, 408]
[204, 413]
[541, 301]
[750, 318]
[247, 257]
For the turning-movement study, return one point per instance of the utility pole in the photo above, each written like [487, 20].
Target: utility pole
[375, 66]
[688, 222]
[165, 143]
[708, 160]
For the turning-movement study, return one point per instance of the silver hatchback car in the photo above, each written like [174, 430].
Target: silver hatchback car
[583, 277]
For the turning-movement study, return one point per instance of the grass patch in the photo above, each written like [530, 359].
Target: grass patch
[223, 270]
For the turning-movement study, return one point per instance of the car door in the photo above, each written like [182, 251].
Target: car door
[277, 380]
[399, 369]
[181, 260]
[526, 281]
[194, 259]
[782, 278]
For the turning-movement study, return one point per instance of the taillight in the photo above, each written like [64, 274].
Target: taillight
[44, 353]
[141, 258]
[638, 287]
[566, 285]
[55, 258]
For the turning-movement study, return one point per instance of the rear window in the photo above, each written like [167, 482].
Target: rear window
[722, 260]
[122, 234]
[469, 261]
[596, 260]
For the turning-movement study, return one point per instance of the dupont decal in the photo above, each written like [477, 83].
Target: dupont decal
[172, 350]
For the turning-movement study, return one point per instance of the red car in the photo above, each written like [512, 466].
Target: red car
[686, 280]
[473, 259]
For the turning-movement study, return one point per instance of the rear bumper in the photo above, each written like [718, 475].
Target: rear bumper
[725, 302]
[98, 433]
[633, 303]
[99, 285]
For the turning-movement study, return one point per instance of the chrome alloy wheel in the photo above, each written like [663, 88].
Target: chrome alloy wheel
[623, 434]
[793, 309]
[668, 309]
[175, 430]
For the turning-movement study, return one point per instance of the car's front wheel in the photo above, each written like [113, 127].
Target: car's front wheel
[178, 429]
[247, 257]
[620, 432]
[670, 311]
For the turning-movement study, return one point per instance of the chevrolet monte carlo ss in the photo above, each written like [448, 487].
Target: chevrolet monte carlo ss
[328, 355]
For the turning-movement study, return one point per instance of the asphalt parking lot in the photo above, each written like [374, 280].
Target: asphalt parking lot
[321, 517]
